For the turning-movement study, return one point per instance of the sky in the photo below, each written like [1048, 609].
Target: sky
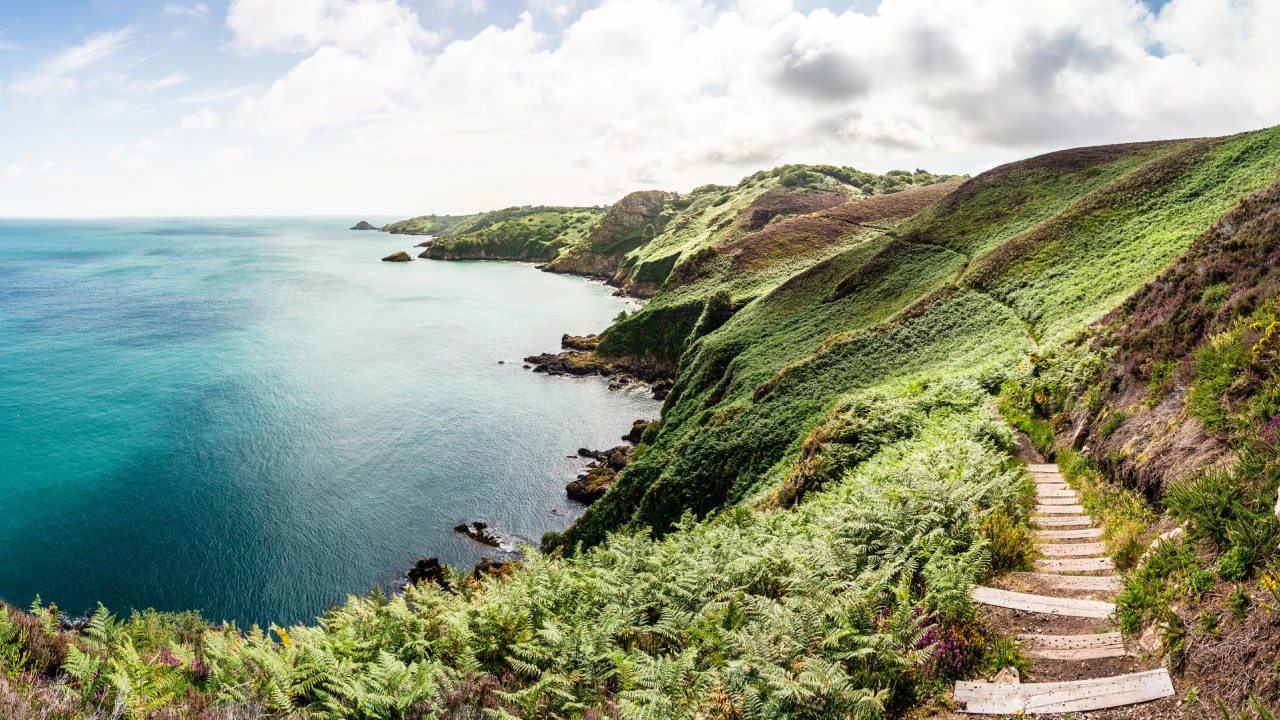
[382, 109]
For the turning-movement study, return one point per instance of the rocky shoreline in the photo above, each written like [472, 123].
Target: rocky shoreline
[579, 359]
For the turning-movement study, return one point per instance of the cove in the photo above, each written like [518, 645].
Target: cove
[256, 417]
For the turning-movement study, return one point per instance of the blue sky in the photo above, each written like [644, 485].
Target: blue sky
[394, 107]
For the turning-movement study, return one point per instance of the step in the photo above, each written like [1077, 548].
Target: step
[1058, 550]
[1062, 520]
[1042, 468]
[1073, 647]
[1063, 697]
[1041, 494]
[1043, 604]
[1070, 582]
[1069, 534]
[1048, 477]
[1064, 500]
[1073, 566]
[1052, 485]
[1059, 509]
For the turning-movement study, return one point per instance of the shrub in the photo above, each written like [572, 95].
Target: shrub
[1238, 602]
[1011, 544]
[1003, 652]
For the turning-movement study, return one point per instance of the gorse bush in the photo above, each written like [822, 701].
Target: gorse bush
[837, 608]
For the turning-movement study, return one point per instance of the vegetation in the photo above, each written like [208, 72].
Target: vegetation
[514, 233]
[798, 534]
[838, 607]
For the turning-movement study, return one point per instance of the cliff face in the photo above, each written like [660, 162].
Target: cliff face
[627, 224]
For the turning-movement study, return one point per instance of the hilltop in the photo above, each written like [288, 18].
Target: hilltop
[798, 535]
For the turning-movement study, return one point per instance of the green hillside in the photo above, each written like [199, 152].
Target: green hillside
[798, 537]
[533, 233]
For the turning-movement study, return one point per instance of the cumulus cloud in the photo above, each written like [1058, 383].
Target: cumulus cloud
[9, 172]
[652, 86]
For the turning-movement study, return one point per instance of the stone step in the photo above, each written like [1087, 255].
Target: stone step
[1059, 509]
[1062, 697]
[1070, 582]
[1074, 566]
[1057, 550]
[1043, 604]
[1064, 500]
[1062, 520]
[1073, 647]
[1044, 491]
[1069, 534]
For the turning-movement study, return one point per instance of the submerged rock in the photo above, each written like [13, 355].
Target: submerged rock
[364, 225]
[397, 257]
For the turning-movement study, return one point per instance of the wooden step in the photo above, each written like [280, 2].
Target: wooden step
[1070, 582]
[1049, 485]
[1073, 647]
[1048, 477]
[1057, 550]
[1042, 467]
[1059, 509]
[1073, 566]
[1045, 491]
[1069, 534]
[1043, 604]
[1063, 697]
[1062, 520]
[1065, 500]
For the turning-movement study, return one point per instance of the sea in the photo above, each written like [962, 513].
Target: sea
[254, 418]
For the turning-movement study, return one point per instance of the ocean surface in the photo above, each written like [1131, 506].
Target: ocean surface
[254, 418]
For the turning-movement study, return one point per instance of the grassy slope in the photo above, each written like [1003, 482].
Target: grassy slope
[1049, 244]
[859, 361]
[538, 233]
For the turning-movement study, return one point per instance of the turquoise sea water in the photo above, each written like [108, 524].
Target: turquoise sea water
[257, 417]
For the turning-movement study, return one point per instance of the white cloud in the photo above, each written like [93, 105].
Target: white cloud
[57, 76]
[231, 157]
[202, 119]
[218, 94]
[580, 101]
[305, 25]
[197, 11]
[9, 172]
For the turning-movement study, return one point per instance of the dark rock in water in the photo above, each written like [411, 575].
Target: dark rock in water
[526, 367]
[502, 362]
[637, 431]
[662, 389]
[429, 570]
[397, 257]
[478, 531]
[364, 225]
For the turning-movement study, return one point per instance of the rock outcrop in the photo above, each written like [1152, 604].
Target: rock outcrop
[398, 257]
[478, 531]
[637, 431]
[429, 570]
[600, 474]
[364, 225]
[627, 224]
